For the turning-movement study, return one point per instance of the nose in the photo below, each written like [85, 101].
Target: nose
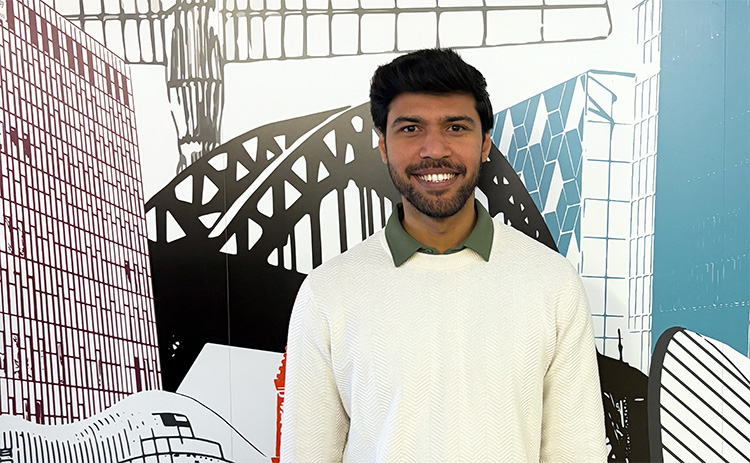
[434, 145]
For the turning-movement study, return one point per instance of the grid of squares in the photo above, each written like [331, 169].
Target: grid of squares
[142, 31]
[643, 187]
[276, 29]
[77, 329]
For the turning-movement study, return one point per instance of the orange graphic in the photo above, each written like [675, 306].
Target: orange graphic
[279, 382]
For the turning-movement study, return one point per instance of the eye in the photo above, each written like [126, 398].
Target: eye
[409, 128]
[457, 128]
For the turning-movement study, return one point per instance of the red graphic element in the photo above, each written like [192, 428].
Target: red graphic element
[279, 382]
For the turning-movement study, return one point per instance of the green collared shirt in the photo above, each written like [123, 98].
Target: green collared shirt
[403, 245]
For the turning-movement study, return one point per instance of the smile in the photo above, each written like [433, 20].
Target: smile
[436, 178]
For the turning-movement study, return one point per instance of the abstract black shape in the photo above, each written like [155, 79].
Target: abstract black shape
[624, 396]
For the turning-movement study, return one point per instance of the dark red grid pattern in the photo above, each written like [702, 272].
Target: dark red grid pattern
[77, 328]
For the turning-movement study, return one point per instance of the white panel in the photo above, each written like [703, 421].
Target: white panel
[300, 168]
[241, 171]
[575, 23]
[377, 3]
[330, 237]
[349, 157]
[256, 38]
[291, 195]
[596, 139]
[303, 244]
[254, 232]
[461, 29]
[265, 203]
[322, 171]
[378, 32]
[353, 214]
[377, 219]
[595, 179]
[317, 35]
[593, 253]
[288, 254]
[506, 135]
[509, 26]
[273, 36]
[251, 146]
[357, 124]
[208, 220]
[174, 230]
[293, 37]
[151, 224]
[619, 219]
[183, 191]
[230, 247]
[209, 190]
[281, 141]
[417, 30]
[218, 162]
[273, 258]
[345, 34]
[619, 187]
[555, 188]
[330, 140]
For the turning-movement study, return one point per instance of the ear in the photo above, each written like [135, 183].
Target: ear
[486, 146]
[382, 148]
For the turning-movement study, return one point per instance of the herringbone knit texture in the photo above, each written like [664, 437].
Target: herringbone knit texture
[446, 358]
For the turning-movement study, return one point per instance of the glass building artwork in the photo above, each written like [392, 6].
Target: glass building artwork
[77, 328]
[577, 147]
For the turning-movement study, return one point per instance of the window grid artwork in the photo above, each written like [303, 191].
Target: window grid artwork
[77, 328]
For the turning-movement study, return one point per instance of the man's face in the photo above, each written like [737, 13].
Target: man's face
[433, 146]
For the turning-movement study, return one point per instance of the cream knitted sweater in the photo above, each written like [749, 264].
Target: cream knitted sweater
[447, 358]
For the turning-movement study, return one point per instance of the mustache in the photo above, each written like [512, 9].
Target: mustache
[436, 164]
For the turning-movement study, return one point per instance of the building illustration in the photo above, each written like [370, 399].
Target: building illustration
[77, 328]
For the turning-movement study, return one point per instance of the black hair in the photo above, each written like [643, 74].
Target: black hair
[434, 71]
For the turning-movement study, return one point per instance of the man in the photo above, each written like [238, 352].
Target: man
[447, 337]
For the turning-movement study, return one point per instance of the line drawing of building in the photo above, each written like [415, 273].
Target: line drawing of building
[586, 150]
[77, 328]
[196, 39]
[151, 427]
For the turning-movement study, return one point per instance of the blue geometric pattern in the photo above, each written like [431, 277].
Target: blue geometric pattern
[540, 145]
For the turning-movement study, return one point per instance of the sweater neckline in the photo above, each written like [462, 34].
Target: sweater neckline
[438, 262]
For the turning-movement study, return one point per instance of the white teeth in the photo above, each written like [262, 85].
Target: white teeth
[437, 177]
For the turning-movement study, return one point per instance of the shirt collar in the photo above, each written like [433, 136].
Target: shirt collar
[403, 245]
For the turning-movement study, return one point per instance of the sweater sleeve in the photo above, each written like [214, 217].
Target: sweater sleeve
[572, 414]
[314, 422]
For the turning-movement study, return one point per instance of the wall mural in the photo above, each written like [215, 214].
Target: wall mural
[170, 178]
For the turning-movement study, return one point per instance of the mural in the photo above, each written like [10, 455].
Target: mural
[170, 178]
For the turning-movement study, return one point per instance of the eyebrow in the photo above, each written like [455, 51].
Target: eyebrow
[415, 119]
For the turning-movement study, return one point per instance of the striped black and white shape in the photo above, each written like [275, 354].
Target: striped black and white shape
[699, 400]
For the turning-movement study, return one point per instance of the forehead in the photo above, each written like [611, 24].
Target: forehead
[432, 106]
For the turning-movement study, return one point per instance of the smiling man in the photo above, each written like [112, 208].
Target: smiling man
[448, 336]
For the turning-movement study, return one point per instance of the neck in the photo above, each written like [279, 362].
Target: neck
[441, 234]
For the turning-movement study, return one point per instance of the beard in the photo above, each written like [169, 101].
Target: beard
[435, 204]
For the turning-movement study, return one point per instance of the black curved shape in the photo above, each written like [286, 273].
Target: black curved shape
[654, 392]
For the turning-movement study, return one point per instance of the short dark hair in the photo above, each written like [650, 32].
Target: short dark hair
[435, 70]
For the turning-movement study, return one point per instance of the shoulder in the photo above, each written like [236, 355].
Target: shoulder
[509, 243]
[532, 264]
